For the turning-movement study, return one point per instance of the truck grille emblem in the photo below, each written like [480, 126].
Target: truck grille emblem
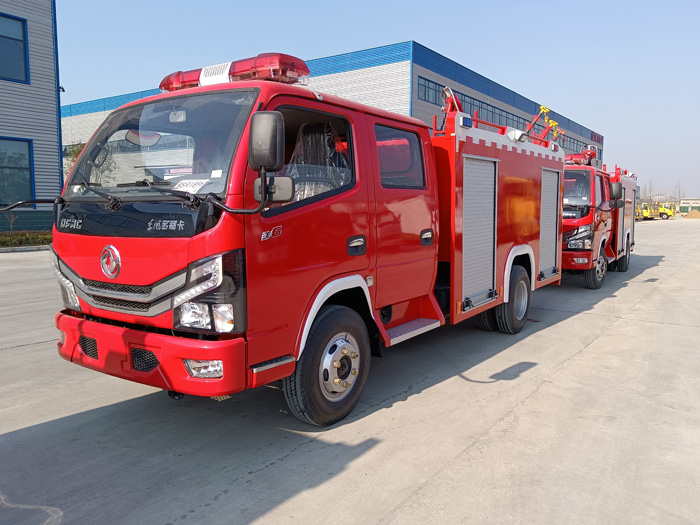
[110, 261]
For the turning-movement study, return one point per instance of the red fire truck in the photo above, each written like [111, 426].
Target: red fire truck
[598, 218]
[239, 229]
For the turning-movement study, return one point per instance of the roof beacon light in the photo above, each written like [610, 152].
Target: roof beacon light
[266, 66]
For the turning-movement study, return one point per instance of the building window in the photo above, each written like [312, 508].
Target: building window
[15, 170]
[14, 60]
[430, 91]
[400, 158]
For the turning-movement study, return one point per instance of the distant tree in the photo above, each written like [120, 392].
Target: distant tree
[11, 218]
[98, 174]
[678, 192]
[70, 155]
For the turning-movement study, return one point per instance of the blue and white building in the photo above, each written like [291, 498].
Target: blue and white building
[30, 138]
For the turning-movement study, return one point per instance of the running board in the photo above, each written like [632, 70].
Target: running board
[411, 329]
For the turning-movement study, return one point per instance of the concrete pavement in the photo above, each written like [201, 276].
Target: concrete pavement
[590, 415]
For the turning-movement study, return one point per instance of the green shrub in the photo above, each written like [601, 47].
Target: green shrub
[8, 239]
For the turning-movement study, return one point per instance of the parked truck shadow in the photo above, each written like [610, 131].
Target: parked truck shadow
[154, 460]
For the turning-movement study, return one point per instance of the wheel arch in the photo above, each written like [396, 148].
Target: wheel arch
[521, 255]
[352, 292]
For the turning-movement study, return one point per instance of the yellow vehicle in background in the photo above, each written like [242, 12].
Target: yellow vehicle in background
[650, 210]
[667, 209]
[654, 210]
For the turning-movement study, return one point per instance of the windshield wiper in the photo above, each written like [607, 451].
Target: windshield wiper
[192, 200]
[115, 203]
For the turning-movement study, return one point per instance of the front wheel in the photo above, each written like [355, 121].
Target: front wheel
[332, 370]
[595, 277]
[511, 316]
[664, 215]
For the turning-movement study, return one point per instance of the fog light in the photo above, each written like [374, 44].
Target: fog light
[204, 369]
[195, 315]
[580, 260]
[223, 317]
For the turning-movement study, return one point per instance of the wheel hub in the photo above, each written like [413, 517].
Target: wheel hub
[601, 267]
[339, 367]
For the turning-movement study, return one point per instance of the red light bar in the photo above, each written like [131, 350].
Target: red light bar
[585, 157]
[266, 66]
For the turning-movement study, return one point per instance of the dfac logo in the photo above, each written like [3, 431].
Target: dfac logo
[110, 261]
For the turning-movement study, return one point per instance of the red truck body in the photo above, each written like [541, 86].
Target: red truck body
[409, 232]
[598, 229]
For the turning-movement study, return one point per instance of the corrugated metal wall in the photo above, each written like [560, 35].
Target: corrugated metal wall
[387, 87]
[30, 111]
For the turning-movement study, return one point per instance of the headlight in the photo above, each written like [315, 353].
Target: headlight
[214, 299]
[70, 298]
[203, 278]
[581, 239]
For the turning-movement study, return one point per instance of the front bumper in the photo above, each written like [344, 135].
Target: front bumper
[112, 352]
[568, 261]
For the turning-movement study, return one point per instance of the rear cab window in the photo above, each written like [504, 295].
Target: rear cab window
[400, 158]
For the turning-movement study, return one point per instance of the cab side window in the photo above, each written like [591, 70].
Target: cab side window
[317, 154]
[598, 190]
[400, 158]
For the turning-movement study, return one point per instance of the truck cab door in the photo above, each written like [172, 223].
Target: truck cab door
[406, 212]
[294, 249]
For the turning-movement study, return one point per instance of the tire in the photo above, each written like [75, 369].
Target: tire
[487, 320]
[337, 346]
[512, 316]
[595, 277]
[623, 264]
[664, 216]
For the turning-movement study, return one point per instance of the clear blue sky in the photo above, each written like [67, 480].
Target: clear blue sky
[619, 67]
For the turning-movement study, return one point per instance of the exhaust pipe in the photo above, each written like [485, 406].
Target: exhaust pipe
[176, 395]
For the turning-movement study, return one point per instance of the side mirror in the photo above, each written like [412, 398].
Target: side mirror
[279, 189]
[266, 141]
[616, 204]
[615, 191]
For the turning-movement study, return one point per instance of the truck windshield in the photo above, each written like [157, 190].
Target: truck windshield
[182, 143]
[577, 188]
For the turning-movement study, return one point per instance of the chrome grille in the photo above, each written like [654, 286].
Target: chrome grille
[122, 288]
[143, 360]
[89, 346]
[119, 303]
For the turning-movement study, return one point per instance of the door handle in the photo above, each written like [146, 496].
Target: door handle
[426, 237]
[357, 245]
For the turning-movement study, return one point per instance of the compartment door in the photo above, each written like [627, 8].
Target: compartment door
[549, 223]
[621, 216]
[478, 232]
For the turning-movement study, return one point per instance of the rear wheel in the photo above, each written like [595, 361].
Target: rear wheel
[595, 277]
[487, 320]
[332, 370]
[624, 263]
[511, 316]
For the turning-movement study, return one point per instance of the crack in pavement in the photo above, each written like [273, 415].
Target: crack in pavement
[55, 515]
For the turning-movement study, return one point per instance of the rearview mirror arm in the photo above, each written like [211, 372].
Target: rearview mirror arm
[211, 197]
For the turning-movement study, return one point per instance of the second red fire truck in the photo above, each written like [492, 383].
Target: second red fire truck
[598, 218]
